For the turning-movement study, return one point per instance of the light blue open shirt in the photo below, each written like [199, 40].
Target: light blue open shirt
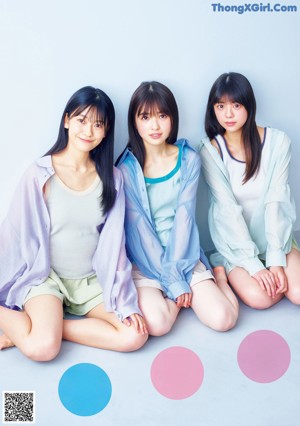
[171, 266]
[269, 235]
[24, 245]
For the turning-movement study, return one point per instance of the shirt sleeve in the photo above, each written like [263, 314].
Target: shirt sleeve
[183, 249]
[111, 263]
[24, 240]
[227, 226]
[279, 206]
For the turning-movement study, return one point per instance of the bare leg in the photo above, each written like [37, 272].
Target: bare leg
[248, 289]
[222, 283]
[160, 313]
[5, 342]
[101, 329]
[292, 272]
[215, 304]
[36, 331]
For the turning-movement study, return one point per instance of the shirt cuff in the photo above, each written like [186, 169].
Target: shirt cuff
[253, 265]
[125, 312]
[275, 258]
[178, 288]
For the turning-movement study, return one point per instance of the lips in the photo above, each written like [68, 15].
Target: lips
[230, 123]
[85, 140]
[155, 135]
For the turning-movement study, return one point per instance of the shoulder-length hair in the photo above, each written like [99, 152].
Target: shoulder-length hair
[96, 100]
[236, 88]
[149, 97]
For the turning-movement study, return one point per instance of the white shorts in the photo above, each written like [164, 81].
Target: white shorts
[200, 273]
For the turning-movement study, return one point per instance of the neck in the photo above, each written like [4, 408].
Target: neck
[234, 138]
[78, 160]
[155, 152]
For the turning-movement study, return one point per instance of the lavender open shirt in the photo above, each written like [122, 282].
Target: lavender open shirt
[24, 245]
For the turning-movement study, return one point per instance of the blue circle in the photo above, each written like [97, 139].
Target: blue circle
[84, 389]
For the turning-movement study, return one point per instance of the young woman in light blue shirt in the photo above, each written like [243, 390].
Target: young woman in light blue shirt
[252, 211]
[62, 244]
[161, 176]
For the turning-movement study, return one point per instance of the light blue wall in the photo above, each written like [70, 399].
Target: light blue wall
[49, 49]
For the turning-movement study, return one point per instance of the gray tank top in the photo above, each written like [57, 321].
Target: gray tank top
[75, 217]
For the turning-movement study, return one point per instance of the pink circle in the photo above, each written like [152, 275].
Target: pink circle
[177, 373]
[264, 356]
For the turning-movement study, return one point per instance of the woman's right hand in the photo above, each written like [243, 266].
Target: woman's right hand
[184, 301]
[266, 281]
[138, 322]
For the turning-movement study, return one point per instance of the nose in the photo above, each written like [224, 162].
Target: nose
[88, 129]
[228, 110]
[154, 123]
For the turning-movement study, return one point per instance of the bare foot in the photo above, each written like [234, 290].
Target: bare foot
[5, 342]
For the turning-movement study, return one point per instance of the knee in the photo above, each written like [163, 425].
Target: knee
[261, 301]
[225, 319]
[293, 294]
[132, 341]
[160, 325]
[43, 351]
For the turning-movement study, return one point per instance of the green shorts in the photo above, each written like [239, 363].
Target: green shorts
[79, 296]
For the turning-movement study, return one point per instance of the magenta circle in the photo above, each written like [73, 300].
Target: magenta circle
[264, 356]
[177, 373]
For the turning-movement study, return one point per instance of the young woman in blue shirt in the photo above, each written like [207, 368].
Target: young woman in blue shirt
[161, 176]
[252, 211]
[62, 243]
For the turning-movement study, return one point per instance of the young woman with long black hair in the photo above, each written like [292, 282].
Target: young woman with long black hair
[252, 211]
[62, 243]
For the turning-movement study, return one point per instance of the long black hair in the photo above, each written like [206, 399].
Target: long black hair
[95, 99]
[150, 96]
[236, 88]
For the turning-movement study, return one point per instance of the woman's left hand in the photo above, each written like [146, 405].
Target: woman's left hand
[280, 278]
[184, 300]
[138, 322]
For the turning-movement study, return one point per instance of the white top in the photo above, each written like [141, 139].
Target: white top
[75, 217]
[246, 194]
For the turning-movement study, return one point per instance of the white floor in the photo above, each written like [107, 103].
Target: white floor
[226, 397]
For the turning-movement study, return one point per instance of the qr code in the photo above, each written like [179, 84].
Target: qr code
[18, 407]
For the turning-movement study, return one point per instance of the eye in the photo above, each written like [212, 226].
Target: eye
[236, 105]
[219, 106]
[163, 115]
[99, 124]
[144, 116]
[81, 120]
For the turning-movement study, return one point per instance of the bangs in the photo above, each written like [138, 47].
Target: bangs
[152, 103]
[230, 91]
[97, 111]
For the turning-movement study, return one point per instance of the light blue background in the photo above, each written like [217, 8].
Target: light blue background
[49, 49]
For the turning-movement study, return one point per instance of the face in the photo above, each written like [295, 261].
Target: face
[86, 132]
[154, 128]
[230, 115]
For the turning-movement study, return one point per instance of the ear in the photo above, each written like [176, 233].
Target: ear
[66, 121]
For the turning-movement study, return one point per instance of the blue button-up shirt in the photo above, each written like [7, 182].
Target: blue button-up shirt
[171, 266]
